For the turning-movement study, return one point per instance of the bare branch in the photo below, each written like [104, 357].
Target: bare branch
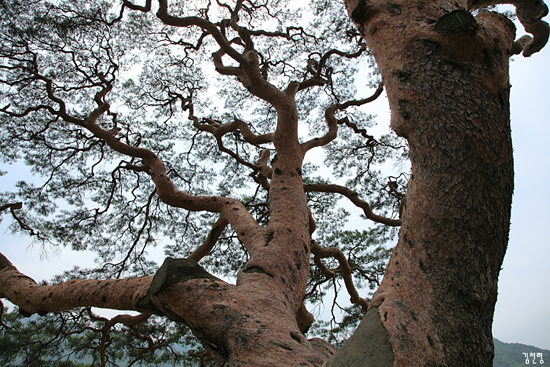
[24, 226]
[336, 253]
[332, 122]
[354, 198]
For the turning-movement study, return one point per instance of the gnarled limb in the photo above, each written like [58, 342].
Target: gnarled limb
[354, 198]
[332, 122]
[235, 212]
[530, 14]
[345, 269]
[218, 129]
[315, 68]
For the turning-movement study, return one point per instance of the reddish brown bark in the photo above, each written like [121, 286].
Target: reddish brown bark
[254, 322]
[446, 76]
[33, 298]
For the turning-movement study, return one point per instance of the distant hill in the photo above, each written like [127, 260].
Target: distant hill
[511, 355]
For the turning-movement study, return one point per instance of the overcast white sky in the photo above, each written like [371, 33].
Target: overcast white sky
[523, 309]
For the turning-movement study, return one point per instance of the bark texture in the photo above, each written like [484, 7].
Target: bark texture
[121, 294]
[446, 76]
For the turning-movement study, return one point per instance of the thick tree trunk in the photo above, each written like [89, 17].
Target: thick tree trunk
[446, 76]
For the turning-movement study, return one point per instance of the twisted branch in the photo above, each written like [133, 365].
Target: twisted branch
[354, 198]
[530, 14]
[332, 122]
[321, 253]
[210, 241]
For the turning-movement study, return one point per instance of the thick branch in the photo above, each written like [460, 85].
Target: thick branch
[11, 206]
[250, 76]
[220, 130]
[146, 8]
[33, 298]
[354, 198]
[263, 171]
[210, 241]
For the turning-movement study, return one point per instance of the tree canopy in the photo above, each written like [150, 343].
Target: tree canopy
[95, 94]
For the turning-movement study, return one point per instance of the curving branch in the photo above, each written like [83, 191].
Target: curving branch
[24, 226]
[530, 14]
[320, 252]
[206, 25]
[249, 73]
[237, 125]
[354, 198]
[333, 123]
[145, 8]
[315, 68]
[129, 321]
[219, 130]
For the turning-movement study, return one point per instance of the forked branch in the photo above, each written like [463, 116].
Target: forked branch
[345, 269]
[333, 122]
[354, 198]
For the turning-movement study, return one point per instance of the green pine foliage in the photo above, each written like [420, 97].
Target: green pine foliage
[58, 58]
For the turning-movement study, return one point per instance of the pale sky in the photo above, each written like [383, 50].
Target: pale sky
[522, 312]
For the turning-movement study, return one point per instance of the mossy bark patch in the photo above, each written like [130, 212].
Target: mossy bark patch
[458, 21]
[368, 346]
[171, 272]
